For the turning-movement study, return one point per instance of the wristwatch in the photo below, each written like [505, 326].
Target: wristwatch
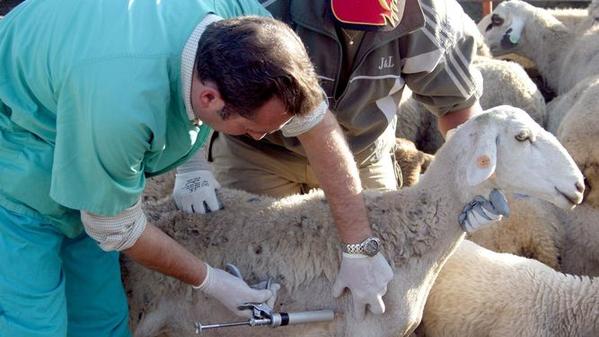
[369, 247]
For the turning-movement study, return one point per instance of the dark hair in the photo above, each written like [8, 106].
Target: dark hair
[253, 59]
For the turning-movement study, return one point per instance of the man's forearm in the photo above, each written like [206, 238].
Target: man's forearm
[453, 119]
[336, 171]
[156, 250]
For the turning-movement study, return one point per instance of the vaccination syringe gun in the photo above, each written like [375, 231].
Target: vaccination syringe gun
[263, 314]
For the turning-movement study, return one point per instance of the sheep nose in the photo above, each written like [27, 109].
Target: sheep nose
[580, 186]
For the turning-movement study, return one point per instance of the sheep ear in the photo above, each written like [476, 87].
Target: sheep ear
[483, 162]
[515, 31]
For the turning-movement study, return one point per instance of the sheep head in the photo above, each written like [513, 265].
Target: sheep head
[505, 28]
[506, 149]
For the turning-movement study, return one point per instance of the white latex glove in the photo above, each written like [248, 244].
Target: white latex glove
[482, 212]
[366, 278]
[232, 291]
[195, 192]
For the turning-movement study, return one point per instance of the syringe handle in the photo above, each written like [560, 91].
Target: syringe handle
[283, 318]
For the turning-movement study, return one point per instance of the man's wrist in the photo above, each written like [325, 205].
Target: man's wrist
[203, 284]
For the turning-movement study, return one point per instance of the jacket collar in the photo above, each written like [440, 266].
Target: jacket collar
[314, 14]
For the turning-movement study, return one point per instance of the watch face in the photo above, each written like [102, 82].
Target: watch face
[371, 248]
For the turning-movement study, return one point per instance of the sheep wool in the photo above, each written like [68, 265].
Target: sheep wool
[294, 240]
[483, 293]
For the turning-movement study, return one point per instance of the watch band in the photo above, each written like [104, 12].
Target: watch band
[369, 247]
[354, 248]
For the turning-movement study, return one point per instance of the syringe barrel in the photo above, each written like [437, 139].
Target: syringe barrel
[283, 318]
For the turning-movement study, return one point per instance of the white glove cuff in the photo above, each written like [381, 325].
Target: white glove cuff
[117, 232]
[353, 256]
[204, 283]
[197, 162]
[301, 124]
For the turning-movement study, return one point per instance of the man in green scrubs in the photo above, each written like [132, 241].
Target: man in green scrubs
[97, 95]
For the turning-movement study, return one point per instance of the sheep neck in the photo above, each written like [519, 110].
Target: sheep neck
[550, 44]
[570, 304]
[428, 214]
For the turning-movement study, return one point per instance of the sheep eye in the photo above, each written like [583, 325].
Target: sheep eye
[496, 20]
[523, 136]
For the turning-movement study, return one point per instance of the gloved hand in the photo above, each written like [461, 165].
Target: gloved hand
[195, 192]
[232, 291]
[481, 212]
[366, 278]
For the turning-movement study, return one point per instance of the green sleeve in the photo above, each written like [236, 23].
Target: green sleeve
[106, 115]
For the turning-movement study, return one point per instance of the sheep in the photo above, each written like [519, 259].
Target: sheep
[580, 252]
[159, 187]
[532, 230]
[572, 18]
[411, 161]
[562, 57]
[293, 239]
[579, 133]
[503, 83]
[559, 107]
[579, 20]
[593, 11]
[482, 293]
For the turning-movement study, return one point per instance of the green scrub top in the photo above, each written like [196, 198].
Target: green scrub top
[91, 102]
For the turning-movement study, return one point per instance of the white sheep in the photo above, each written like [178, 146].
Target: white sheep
[562, 57]
[482, 293]
[159, 187]
[294, 239]
[504, 82]
[593, 11]
[572, 18]
[580, 251]
[579, 133]
[533, 229]
[560, 105]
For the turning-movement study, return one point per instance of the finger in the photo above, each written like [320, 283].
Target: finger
[468, 225]
[499, 202]
[260, 296]
[377, 306]
[212, 203]
[204, 208]
[274, 289]
[247, 313]
[187, 207]
[359, 309]
[338, 288]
